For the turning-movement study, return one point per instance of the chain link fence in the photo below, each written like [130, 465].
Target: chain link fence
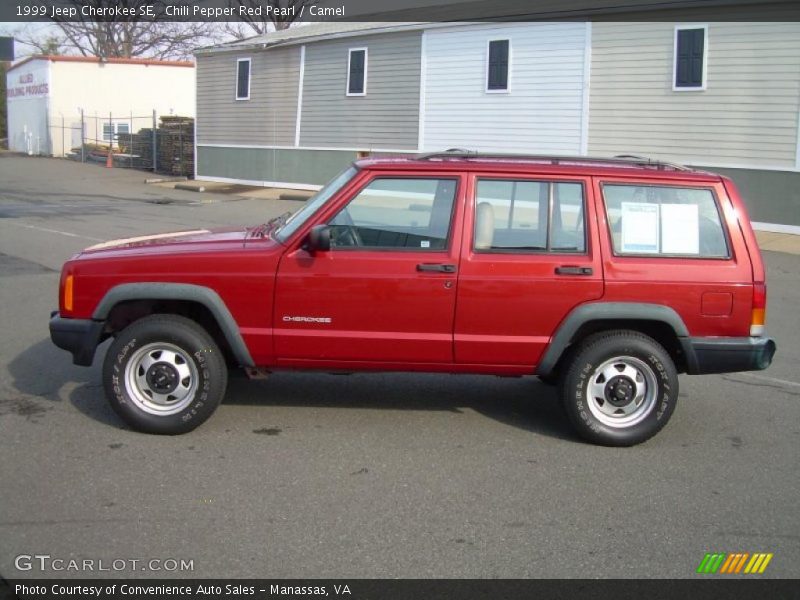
[148, 142]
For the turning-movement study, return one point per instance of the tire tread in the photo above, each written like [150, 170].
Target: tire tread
[168, 325]
[611, 437]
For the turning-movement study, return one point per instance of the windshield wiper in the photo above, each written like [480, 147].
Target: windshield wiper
[271, 225]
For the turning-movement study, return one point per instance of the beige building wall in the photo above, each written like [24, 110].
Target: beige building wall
[747, 117]
[268, 117]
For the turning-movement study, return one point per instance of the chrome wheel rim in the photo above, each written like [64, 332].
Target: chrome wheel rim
[622, 391]
[161, 378]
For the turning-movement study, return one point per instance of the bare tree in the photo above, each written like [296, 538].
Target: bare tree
[284, 14]
[125, 37]
[50, 43]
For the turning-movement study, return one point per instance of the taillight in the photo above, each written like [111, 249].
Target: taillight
[758, 315]
[68, 293]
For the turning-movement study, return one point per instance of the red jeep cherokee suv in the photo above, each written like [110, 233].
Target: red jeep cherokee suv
[605, 276]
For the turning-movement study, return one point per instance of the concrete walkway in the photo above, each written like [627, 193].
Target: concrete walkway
[243, 191]
[778, 242]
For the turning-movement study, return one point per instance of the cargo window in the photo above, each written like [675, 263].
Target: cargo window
[397, 213]
[664, 220]
[529, 216]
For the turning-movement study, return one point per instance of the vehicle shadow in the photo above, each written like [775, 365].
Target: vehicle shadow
[522, 402]
[44, 373]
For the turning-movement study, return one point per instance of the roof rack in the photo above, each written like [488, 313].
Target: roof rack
[622, 159]
[649, 161]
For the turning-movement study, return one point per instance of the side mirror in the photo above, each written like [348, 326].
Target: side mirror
[319, 239]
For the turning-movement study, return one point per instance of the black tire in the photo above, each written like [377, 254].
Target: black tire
[604, 378]
[185, 380]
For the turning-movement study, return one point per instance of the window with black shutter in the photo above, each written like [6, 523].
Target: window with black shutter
[497, 75]
[690, 46]
[357, 72]
[243, 79]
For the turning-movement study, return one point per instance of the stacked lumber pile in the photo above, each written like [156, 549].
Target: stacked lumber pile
[176, 146]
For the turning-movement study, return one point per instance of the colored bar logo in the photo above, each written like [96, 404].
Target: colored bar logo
[735, 563]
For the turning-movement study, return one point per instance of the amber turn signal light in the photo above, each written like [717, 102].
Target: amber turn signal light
[758, 315]
[68, 292]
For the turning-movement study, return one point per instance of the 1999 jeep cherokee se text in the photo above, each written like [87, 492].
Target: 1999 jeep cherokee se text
[605, 276]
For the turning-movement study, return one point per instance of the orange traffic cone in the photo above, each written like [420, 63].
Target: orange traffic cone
[109, 160]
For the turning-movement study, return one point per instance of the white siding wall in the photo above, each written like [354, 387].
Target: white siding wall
[747, 116]
[542, 113]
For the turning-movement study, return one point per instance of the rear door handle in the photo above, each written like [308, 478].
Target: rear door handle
[436, 268]
[570, 270]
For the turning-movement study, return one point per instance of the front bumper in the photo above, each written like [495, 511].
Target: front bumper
[78, 336]
[727, 355]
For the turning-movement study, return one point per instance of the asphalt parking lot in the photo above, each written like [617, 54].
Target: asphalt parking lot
[379, 475]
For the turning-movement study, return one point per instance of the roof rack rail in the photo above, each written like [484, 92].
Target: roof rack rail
[449, 153]
[626, 159]
[650, 161]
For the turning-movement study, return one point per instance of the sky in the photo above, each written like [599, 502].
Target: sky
[21, 50]
[8, 29]
[35, 28]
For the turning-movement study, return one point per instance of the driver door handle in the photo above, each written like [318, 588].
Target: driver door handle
[436, 268]
[573, 270]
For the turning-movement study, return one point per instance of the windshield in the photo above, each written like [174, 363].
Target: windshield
[296, 221]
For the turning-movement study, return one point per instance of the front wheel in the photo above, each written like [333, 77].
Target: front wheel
[164, 374]
[620, 388]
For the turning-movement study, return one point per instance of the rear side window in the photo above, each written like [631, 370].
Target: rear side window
[529, 216]
[664, 220]
[397, 213]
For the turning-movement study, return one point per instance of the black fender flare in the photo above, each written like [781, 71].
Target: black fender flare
[179, 291]
[605, 311]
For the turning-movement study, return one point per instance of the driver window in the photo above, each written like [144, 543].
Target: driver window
[397, 213]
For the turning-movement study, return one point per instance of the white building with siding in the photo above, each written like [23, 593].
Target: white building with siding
[718, 95]
[46, 95]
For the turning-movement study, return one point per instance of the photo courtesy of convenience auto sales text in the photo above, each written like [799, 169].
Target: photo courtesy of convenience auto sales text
[178, 589]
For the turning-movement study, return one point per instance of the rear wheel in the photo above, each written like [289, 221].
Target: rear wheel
[164, 374]
[620, 388]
